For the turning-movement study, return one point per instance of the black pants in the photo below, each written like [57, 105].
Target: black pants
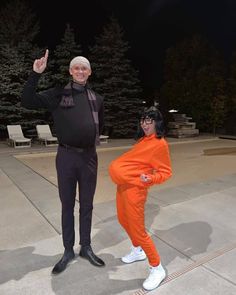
[76, 167]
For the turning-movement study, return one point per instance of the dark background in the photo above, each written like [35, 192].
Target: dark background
[150, 26]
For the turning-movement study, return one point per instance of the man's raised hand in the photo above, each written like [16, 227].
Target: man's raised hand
[40, 64]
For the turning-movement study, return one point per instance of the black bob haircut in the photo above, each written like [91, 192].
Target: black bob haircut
[153, 113]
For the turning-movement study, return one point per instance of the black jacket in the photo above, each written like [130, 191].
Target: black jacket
[74, 125]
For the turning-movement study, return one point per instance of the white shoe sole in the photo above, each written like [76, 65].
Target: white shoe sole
[128, 262]
[155, 285]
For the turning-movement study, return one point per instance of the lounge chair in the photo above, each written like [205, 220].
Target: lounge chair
[16, 137]
[104, 138]
[45, 135]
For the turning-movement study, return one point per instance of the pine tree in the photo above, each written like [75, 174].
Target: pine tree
[231, 98]
[11, 83]
[17, 23]
[195, 82]
[16, 56]
[64, 52]
[116, 80]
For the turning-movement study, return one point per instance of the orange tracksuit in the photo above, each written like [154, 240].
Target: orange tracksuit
[150, 156]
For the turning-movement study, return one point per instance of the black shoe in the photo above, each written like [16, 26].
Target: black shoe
[87, 253]
[62, 264]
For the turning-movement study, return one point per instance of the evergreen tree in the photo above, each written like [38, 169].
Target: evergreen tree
[231, 98]
[11, 83]
[195, 82]
[16, 56]
[18, 32]
[17, 23]
[116, 80]
[64, 52]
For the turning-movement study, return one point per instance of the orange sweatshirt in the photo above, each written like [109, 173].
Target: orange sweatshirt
[150, 156]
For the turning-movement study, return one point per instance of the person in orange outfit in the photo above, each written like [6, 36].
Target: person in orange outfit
[146, 163]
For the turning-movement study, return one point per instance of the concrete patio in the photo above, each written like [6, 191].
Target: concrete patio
[191, 219]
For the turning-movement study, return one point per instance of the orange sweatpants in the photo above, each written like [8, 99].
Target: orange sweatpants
[130, 212]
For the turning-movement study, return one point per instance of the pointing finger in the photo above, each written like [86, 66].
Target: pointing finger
[46, 54]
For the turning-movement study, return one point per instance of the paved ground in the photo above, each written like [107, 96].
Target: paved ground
[191, 218]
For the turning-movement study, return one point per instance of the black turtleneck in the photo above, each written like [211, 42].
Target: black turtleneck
[74, 124]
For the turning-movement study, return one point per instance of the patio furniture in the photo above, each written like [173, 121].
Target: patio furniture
[45, 135]
[104, 138]
[16, 137]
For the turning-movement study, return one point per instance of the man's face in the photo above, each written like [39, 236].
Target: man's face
[80, 73]
[148, 125]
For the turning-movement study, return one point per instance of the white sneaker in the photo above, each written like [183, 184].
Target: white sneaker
[136, 254]
[156, 276]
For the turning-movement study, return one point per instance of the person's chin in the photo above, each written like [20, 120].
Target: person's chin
[81, 82]
[148, 133]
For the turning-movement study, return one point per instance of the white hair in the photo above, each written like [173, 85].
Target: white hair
[80, 60]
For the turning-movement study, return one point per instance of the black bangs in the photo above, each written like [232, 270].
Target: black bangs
[153, 113]
[150, 115]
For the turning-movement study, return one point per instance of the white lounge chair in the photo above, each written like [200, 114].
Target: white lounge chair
[45, 135]
[16, 137]
[104, 138]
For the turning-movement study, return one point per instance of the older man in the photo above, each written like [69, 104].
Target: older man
[78, 116]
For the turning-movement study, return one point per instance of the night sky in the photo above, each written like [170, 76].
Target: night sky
[150, 26]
